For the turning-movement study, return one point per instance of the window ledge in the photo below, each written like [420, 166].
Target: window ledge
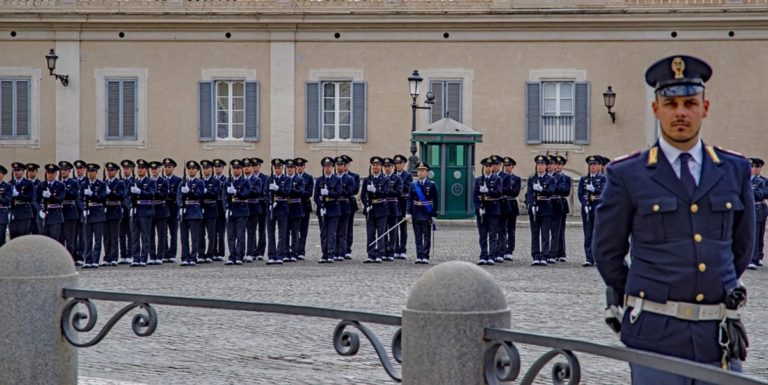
[235, 144]
[557, 147]
[21, 143]
[332, 145]
[121, 143]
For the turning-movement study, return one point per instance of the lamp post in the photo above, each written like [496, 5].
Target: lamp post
[51, 60]
[609, 97]
[413, 84]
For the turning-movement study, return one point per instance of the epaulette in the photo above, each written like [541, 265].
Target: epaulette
[653, 156]
[625, 157]
[727, 151]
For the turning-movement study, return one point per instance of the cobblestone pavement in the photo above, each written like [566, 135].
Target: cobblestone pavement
[198, 346]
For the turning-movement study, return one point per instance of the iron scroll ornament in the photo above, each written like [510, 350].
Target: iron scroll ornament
[143, 325]
[505, 367]
[347, 343]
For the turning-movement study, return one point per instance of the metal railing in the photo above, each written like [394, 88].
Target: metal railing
[557, 129]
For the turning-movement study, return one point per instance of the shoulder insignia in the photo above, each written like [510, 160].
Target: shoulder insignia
[712, 154]
[625, 157]
[653, 156]
[725, 150]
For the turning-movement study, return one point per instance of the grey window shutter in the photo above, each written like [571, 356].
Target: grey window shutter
[129, 110]
[113, 110]
[312, 131]
[22, 109]
[6, 109]
[453, 100]
[206, 132]
[437, 109]
[359, 112]
[251, 111]
[581, 113]
[533, 112]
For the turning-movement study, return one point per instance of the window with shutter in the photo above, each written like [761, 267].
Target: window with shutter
[121, 109]
[340, 110]
[14, 108]
[448, 100]
[557, 112]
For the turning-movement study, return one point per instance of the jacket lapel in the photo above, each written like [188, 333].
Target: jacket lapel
[710, 176]
[664, 175]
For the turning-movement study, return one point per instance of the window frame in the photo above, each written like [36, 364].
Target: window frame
[103, 76]
[34, 75]
[337, 110]
[14, 108]
[230, 110]
[121, 136]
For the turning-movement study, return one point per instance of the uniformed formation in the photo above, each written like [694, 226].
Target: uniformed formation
[138, 213]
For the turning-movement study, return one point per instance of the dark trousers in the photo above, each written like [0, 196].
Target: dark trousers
[642, 375]
[588, 223]
[69, 229]
[236, 237]
[374, 227]
[390, 245]
[126, 238]
[402, 236]
[34, 224]
[79, 245]
[294, 229]
[758, 236]
[511, 228]
[92, 237]
[158, 238]
[554, 233]
[207, 231]
[561, 248]
[501, 237]
[111, 240]
[141, 228]
[3, 228]
[278, 250]
[261, 246]
[171, 248]
[342, 227]
[422, 234]
[220, 238]
[540, 230]
[761, 240]
[190, 247]
[19, 227]
[303, 230]
[52, 231]
[488, 229]
[350, 233]
[328, 227]
[250, 235]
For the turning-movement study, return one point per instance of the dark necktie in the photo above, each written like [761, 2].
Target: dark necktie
[685, 174]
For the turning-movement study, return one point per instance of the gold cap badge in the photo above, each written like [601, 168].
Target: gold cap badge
[678, 66]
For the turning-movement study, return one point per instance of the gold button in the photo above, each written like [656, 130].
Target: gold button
[699, 297]
[656, 208]
[702, 267]
[697, 238]
[694, 208]
[642, 294]
[728, 205]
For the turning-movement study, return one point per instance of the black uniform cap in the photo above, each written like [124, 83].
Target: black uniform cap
[593, 159]
[66, 164]
[93, 167]
[278, 162]
[80, 164]
[32, 166]
[486, 162]
[128, 163]
[235, 163]
[347, 159]
[678, 75]
[141, 163]
[290, 162]
[340, 160]
[400, 158]
[219, 163]
[387, 161]
[300, 161]
[51, 167]
[3, 170]
[509, 161]
[422, 165]
[17, 166]
[376, 159]
[327, 161]
[561, 160]
[541, 159]
[495, 159]
[112, 166]
[256, 161]
[205, 163]
[155, 164]
[193, 164]
[169, 162]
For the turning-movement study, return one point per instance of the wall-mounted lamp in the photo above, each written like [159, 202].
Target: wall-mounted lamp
[51, 59]
[609, 97]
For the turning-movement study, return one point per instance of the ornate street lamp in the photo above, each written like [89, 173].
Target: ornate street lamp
[51, 59]
[413, 84]
[609, 97]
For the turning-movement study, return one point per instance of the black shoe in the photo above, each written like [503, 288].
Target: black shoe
[588, 264]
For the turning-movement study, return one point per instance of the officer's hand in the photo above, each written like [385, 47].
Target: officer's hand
[15, 192]
[537, 187]
[323, 191]
[534, 210]
[231, 190]
[367, 209]
[184, 189]
[46, 194]
[590, 188]
[205, 190]
[483, 189]
[322, 212]
[107, 191]
[135, 190]
[88, 192]
[273, 187]
[371, 188]
[42, 215]
[586, 210]
[738, 339]
[613, 316]
[274, 204]
[481, 211]
[408, 217]
[227, 213]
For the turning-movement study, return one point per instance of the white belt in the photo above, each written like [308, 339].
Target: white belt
[682, 310]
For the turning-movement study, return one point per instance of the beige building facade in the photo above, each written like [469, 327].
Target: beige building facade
[283, 78]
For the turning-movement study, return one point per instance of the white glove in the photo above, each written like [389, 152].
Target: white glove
[231, 190]
[205, 190]
[322, 212]
[46, 194]
[15, 192]
[227, 213]
[88, 192]
[590, 188]
[273, 187]
[108, 191]
[586, 210]
[371, 188]
[184, 189]
[323, 191]
[481, 211]
[408, 217]
[534, 209]
[274, 204]
[135, 190]
[367, 209]
[537, 187]
[483, 188]
[42, 215]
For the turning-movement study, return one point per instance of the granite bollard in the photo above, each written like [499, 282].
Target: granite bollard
[443, 322]
[33, 271]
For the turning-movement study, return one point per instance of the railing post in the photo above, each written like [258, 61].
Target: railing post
[443, 324]
[33, 271]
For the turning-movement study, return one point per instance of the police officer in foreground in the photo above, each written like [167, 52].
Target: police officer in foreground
[346, 197]
[280, 188]
[421, 207]
[688, 208]
[353, 205]
[221, 216]
[326, 196]
[486, 194]
[589, 190]
[36, 225]
[209, 203]
[295, 212]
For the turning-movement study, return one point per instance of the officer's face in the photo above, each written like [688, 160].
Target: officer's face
[327, 169]
[192, 171]
[559, 167]
[257, 168]
[207, 171]
[551, 167]
[422, 173]
[487, 169]
[18, 173]
[237, 171]
[340, 168]
[400, 166]
[127, 171]
[219, 170]
[168, 170]
[755, 170]
[389, 168]
[80, 171]
[111, 173]
[508, 168]
[91, 174]
[248, 170]
[541, 168]
[155, 171]
[278, 170]
[376, 168]
[142, 172]
[65, 172]
[300, 169]
[594, 168]
[496, 167]
[31, 174]
[680, 118]
[290, 170]
[50, 176]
